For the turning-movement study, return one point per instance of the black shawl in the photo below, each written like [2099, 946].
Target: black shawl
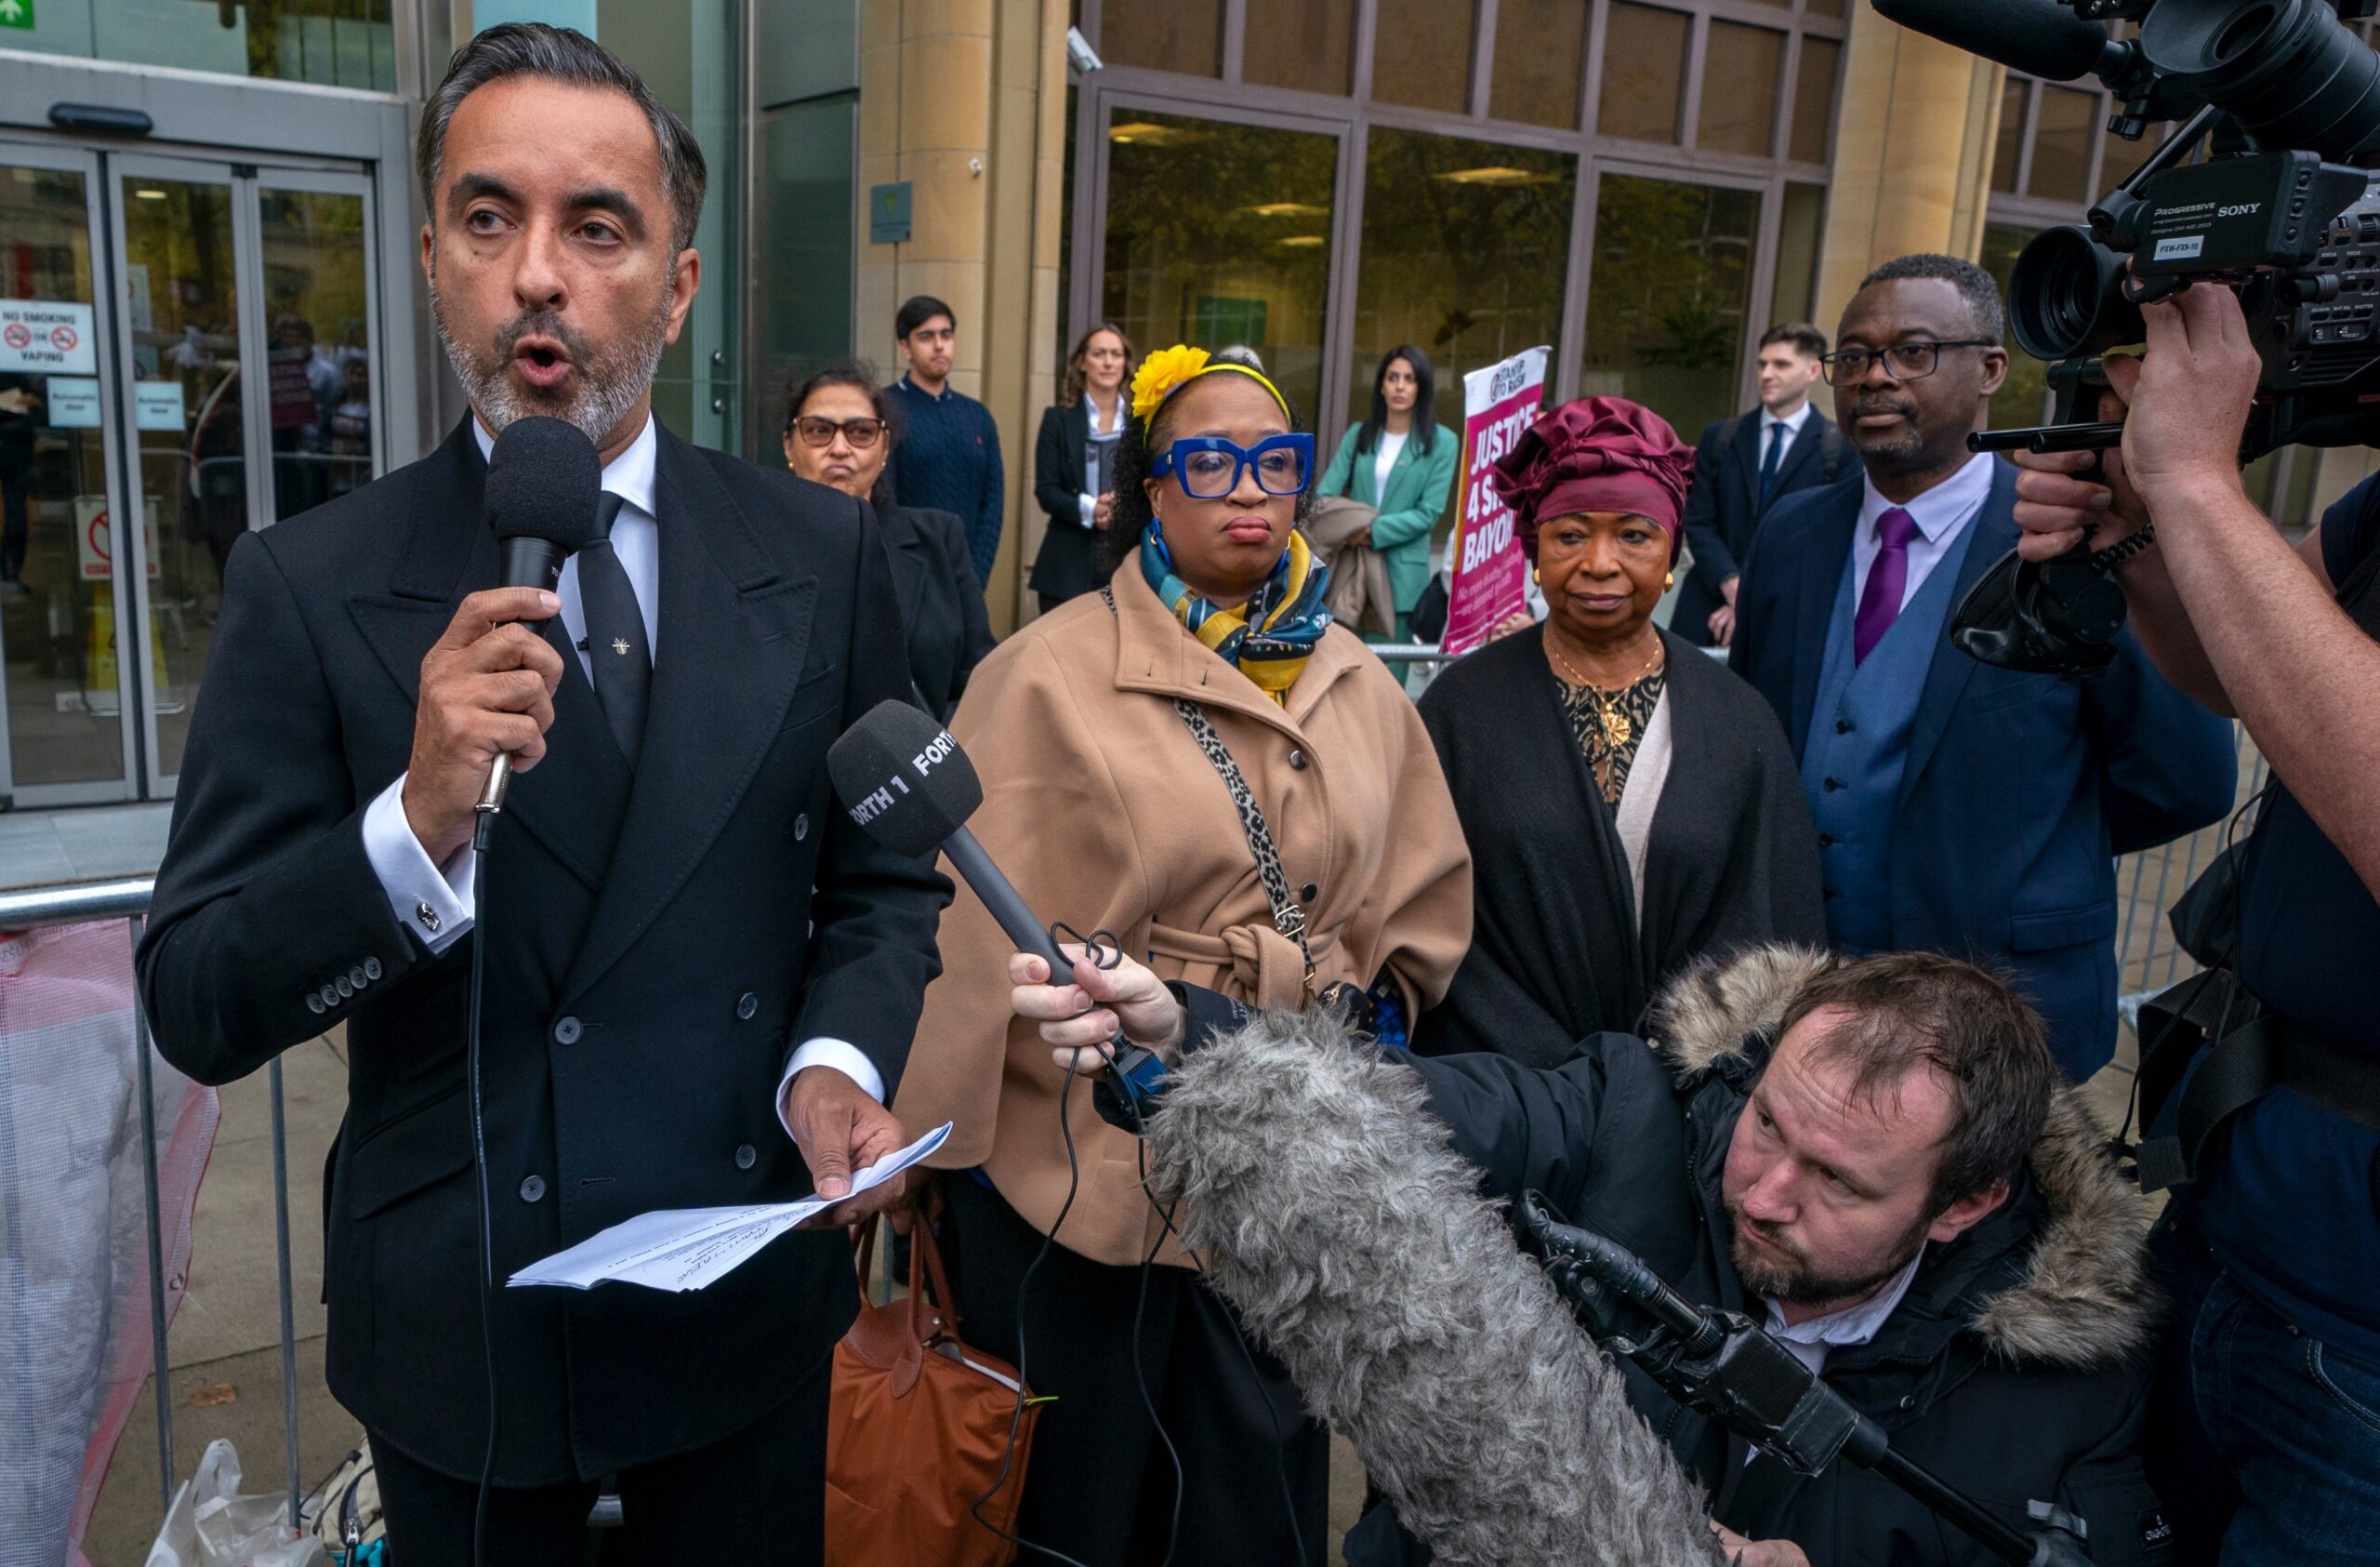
[1554, 955]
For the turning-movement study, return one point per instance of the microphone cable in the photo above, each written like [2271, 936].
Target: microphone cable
[481, 832]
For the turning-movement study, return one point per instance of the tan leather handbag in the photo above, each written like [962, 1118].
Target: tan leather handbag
[918, 1429]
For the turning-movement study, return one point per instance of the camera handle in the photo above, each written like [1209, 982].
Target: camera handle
[1727, 1366]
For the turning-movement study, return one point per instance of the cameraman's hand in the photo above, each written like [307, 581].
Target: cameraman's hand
[1079, 1019]
[1741, 1552]
[2187, 401]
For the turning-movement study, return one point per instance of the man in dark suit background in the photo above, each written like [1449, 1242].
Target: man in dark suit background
[1960, 807]
[1743, 466]
[689, 953]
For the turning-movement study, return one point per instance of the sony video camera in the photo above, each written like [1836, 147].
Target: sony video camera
[2282, 104]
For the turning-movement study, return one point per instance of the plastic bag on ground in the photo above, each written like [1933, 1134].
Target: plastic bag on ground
[211, 1524]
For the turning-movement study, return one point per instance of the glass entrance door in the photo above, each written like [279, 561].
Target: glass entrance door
[225, 378]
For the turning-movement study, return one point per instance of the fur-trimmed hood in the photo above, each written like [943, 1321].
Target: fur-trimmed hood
[2085, 1298]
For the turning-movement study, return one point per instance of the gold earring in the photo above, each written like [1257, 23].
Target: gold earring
[1535, 577]
[1670, 581]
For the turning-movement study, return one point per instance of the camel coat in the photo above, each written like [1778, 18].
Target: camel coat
[1102, 808]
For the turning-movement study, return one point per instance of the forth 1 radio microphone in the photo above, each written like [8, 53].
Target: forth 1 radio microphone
[543, 482]
[908, 785]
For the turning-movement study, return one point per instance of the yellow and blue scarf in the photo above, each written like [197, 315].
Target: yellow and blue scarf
[1269, 638]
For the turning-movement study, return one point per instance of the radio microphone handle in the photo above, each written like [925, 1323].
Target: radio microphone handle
[1136, 1072]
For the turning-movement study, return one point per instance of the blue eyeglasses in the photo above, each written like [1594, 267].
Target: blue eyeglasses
[1210, 466]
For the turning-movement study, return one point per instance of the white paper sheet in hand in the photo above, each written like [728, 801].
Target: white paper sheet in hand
[687, 1248]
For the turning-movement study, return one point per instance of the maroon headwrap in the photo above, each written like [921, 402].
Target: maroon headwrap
[1596, 453]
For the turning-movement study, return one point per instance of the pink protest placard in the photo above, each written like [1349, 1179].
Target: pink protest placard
[1485, 584]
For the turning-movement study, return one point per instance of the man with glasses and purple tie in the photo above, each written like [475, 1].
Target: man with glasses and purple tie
[1960, 807]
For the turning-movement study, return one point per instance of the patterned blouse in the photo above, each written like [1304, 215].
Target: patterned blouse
[1585, 707]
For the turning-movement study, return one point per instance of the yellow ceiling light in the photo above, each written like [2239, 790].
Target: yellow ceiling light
[149, 193]
[1148, 133]
[1285, 209]
[1496, 174]
[1301, 242]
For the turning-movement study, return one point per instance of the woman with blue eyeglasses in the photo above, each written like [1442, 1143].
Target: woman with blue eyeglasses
[1197, 762]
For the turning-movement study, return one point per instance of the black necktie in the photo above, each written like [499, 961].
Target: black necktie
[1768, 463]
[617, 660]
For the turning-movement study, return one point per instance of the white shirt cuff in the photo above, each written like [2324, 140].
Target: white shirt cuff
[1089, 503]
[432, 901]
[842, 1054]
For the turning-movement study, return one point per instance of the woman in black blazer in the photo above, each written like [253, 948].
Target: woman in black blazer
[1074, 460]
[839, 430]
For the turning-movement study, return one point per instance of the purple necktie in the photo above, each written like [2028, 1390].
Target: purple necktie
[1887, 576]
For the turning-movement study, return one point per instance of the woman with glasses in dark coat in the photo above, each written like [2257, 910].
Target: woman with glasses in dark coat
[839, 432]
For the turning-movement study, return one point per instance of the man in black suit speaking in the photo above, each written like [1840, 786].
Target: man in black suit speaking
[689, 952]
[1744, 465]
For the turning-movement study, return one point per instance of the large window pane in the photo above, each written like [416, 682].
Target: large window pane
[1465, 248]
[1220, 234]
[1643, 71]
[1422, 54]
[1541, 49]
[807, 152]
[1800, 220]
[2023, 398]
[319, 363]
[1667, 299]
[2008, 146]
[1181, 35]
[330, 42]
[57, 599]
[1307, 43]
[1813, 98]
[2062, 135]
[1738, 111]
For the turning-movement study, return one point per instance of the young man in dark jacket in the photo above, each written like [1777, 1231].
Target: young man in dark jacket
[1875, 1158]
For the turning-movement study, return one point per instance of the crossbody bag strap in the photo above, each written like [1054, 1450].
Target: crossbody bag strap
[1287, 918]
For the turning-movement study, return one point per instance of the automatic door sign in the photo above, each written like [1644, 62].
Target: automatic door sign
[47, 337]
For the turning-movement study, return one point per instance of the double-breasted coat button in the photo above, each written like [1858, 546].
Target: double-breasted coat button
[746, 1004]
[372, 969]
[566, 1032]
[533, 1189]
[1297, 760]
[314, 1002]
[746, 1156]
[1308, 893]
[801, 827]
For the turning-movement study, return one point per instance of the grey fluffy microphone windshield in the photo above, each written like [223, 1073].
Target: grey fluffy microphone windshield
[543, 481]
[1324, 1202]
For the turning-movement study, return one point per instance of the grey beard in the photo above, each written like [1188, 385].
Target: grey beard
[610, 379]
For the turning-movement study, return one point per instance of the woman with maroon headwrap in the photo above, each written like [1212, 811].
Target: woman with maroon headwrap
[1629, 804]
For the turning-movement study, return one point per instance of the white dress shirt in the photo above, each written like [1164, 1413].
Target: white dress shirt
[1793, 423]
[1813, 1336]
[1942, 514]
[434, 901]
[1110, 424]
[1384, 453]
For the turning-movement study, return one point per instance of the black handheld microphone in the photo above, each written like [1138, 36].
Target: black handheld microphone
[543, 481]
[906, 784]
[2039, 37]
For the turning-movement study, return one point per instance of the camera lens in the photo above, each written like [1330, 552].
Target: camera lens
[2065, 297]
[2288, 71]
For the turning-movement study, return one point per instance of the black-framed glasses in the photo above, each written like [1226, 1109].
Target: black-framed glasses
[1909, 361]
[861, 432]
[1210, 466]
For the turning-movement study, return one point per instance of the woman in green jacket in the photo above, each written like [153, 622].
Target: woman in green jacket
[1402, 463]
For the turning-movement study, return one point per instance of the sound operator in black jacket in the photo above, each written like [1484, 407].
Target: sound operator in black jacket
[667, 997]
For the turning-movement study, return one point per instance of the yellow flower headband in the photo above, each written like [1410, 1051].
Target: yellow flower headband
[1168, 370]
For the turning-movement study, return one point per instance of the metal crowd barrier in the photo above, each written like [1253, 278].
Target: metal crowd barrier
[127, 899]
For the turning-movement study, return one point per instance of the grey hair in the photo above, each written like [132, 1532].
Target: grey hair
[1975, 285]
[558, 54]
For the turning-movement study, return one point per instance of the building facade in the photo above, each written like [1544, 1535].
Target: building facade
[215, 204]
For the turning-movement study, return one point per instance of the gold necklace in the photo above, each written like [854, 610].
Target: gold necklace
[1617, 729]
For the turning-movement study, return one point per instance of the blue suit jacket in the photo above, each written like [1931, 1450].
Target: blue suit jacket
[2020, 790]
